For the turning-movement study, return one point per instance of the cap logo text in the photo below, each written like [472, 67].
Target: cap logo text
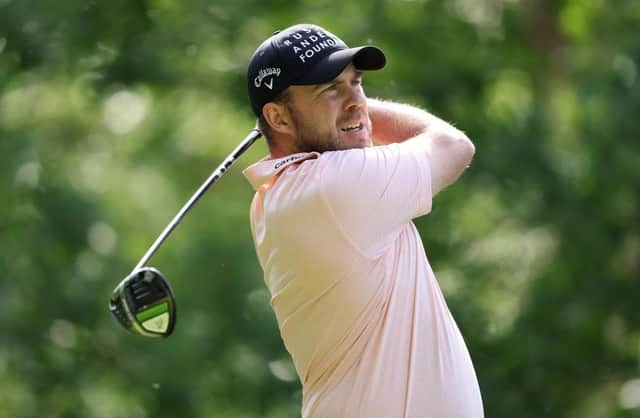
[307, 43]
[264, 73]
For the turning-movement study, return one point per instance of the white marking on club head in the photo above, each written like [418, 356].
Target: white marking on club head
[158, 323]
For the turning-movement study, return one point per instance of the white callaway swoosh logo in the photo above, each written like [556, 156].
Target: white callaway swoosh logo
[266, 74]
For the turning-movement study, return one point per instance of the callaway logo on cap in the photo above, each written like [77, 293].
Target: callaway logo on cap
[300, 55]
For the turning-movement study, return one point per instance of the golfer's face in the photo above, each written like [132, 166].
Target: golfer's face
[333, 115]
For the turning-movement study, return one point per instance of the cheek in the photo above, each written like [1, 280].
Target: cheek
[322, 116]
[325, 118]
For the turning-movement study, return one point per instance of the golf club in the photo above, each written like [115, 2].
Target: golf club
[143, 302]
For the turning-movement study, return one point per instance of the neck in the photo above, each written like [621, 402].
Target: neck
[281, 147]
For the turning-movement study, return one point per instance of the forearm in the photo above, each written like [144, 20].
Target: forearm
[449, 149]
[396, 122]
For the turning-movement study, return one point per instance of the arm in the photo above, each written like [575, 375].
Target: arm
[449, 149]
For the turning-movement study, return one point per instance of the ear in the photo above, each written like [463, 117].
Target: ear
[278, 117]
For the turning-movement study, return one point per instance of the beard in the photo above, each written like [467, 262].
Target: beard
[310, 138]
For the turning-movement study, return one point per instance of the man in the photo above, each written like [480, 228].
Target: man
[357, 303]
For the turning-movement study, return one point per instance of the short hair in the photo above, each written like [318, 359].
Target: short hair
[284, 97]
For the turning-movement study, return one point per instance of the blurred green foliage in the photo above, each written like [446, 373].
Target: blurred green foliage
[112, 113]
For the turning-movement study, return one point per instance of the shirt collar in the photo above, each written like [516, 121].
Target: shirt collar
[266, 169]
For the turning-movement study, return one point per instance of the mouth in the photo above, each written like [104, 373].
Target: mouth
[354, 127]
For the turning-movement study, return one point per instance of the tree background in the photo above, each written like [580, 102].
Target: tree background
[113, 113]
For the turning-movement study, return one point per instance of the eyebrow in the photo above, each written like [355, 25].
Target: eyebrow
[358, 74]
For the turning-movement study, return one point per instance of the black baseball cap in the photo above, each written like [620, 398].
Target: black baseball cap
[303, 54]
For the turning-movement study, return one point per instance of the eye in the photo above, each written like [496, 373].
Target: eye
[331, 88]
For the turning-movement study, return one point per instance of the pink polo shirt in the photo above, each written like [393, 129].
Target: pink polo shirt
[358, 306]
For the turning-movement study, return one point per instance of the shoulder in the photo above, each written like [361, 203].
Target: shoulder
[356, 157]
[365, 163]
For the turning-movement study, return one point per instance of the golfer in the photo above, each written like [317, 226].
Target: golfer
[357, 303]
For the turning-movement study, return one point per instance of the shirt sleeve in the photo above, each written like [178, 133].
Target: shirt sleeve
[373, 192]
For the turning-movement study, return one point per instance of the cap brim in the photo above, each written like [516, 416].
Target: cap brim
[364, 58]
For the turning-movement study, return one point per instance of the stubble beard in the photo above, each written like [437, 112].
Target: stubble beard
[310, 140]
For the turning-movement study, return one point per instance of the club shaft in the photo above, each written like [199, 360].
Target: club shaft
[215, 176]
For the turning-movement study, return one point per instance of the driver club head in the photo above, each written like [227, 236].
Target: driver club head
[144, 303]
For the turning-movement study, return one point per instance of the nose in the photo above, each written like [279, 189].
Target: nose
[355, 97]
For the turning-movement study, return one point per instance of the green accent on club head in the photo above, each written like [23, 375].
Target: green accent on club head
[153, 311]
